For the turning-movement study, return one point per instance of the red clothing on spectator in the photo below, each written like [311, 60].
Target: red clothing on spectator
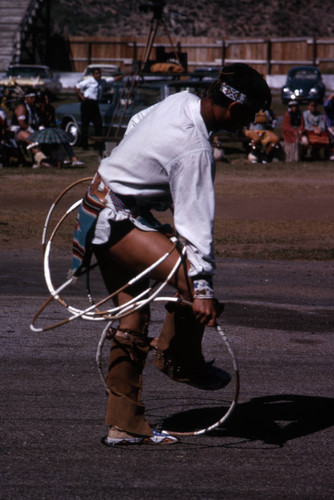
[289, 132]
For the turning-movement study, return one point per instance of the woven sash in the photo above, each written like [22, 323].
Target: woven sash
[84, 231]
[98, 197]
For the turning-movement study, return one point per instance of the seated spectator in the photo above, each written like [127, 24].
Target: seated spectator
[25, 121]
[261, 134]
[292, 130]
[8, 145]
[73, 160]
[56, 152]
[329, 119]
[4, 129]
[315, 128]
[3, 135]
[47, 112]
[218, 151]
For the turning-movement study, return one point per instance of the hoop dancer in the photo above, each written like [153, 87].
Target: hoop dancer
[165, 160]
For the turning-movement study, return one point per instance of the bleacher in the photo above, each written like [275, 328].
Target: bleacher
[15, 19]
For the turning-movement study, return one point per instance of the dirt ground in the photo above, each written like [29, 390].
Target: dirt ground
[270, 211]
[275, 269]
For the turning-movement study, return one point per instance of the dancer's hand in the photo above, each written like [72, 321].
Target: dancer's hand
[205, 311]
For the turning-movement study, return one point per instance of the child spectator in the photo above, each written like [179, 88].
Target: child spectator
[292, 129]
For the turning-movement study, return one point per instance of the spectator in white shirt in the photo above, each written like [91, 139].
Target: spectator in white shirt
[90, 92]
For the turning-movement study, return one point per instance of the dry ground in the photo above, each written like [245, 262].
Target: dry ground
[278, 315]
[275, 211]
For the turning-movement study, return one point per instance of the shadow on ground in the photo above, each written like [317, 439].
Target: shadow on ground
[273, 419]
[278, 318]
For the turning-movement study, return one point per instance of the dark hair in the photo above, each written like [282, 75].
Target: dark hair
[245, 79]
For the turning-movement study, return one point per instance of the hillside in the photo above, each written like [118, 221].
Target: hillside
[233, 18]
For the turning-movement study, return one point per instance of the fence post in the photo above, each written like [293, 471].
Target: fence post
[223, 52]
[89, 53]
[135, 67]
[269, 50]
[314, 51]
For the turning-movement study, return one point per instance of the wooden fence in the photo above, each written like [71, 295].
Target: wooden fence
[269, 56]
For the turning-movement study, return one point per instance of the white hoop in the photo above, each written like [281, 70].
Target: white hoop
[223, 336]
[92, 312]
[233, 404]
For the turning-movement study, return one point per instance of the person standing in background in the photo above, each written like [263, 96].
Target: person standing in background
[90, 92]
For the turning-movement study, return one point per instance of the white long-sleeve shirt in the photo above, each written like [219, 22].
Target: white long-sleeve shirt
[166, 158]
[90, 87]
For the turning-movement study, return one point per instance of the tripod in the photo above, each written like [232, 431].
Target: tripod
[130, 87]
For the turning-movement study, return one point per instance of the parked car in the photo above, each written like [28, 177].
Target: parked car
[303, 84]
[108, 71]
[68, 116]
[116, 100]
[31, 77]
[205, 74]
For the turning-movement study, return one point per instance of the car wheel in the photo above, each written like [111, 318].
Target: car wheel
[72, 127]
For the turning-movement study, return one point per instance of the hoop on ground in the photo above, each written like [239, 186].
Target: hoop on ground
[189, 414]
[208, 410]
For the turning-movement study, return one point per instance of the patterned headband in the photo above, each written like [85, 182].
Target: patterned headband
[231, 93]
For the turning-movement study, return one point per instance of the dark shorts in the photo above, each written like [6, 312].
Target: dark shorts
[119, 229]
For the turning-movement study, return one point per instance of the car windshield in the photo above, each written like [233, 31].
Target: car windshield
[185, 88]
[198, 90]
[143, 97]
[147, 96]
[205, 74]
[304, 74]
[27, 72]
